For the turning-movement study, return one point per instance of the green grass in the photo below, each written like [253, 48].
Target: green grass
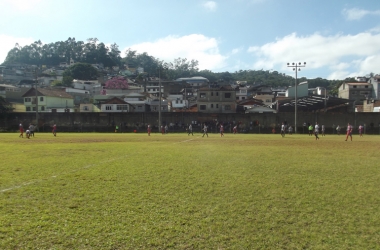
[131, 191]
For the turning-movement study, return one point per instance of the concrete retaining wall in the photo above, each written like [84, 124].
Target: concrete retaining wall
[128, 122]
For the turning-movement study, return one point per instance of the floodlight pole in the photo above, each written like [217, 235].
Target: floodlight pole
[296, 67]
[36, 83]
[159, 104]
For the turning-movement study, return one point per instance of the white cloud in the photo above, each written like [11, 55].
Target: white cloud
[338, 75]
[336, 53]
[192, 47]
[210, 5]
[24, 5]
[8, 43]
[357, 14]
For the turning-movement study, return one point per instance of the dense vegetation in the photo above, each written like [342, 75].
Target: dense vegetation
[97, 52]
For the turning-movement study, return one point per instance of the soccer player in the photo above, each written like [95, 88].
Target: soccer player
[323, 130]
[349, 131]
[149, 129]
[204, 130]
[190, 130]
[360, 130]
[21, 128]
[27, 133]
[283, 130]
[316, 131]
[54, 130]
[31, 129]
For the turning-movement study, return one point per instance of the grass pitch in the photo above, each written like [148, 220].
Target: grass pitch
[174, 191]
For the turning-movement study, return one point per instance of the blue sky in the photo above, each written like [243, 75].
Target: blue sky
[337, 39]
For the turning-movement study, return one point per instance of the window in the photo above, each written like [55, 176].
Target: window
[27, 108]
[121, 107]
[366, 86]
[202, 95]
[42, 108]
[355, 86]
[227, 107]
[268, 100]
[243, 91]
[217, 105]
[202, 107]
[212, 93]
[212, 105]
[227, 95]
[34, 108]
[243, 98]
[237, 98]
[28, 99]
[217, 93]
[108, 107]
[41, 99]
[85, 108]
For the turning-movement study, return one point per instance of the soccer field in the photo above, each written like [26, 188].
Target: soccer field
[174, 191]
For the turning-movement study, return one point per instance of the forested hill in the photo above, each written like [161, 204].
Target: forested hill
[93, 51]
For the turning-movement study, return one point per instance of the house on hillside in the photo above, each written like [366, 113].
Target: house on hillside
[243, 105]
[302, 90]
[358, 91]
[93, 86]
[177, 101]
[241, 93]
[48, 100]
[116, 104]
[139, 100]
[375, 82]
[370, 106]
[155, 104]
[195, 81]
[266, 95]
[217, 100]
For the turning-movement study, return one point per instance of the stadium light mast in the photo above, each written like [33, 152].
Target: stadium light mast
[36, 84]
[160, 68]
[296, 67]
[159, 99]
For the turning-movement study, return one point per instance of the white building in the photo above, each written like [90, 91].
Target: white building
[302, 90]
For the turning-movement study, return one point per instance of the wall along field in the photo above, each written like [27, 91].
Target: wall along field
[174, 191]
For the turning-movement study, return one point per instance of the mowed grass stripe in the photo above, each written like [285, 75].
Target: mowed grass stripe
[131, 191]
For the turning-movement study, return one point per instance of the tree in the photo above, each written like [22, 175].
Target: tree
[56, 83]
[81, 71]
[67, 81]
[117, 83]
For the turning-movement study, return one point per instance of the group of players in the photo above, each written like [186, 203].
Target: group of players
[316, 130]
[30, 131]
[204, 129]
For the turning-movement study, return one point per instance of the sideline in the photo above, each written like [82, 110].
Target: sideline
[65, 173]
